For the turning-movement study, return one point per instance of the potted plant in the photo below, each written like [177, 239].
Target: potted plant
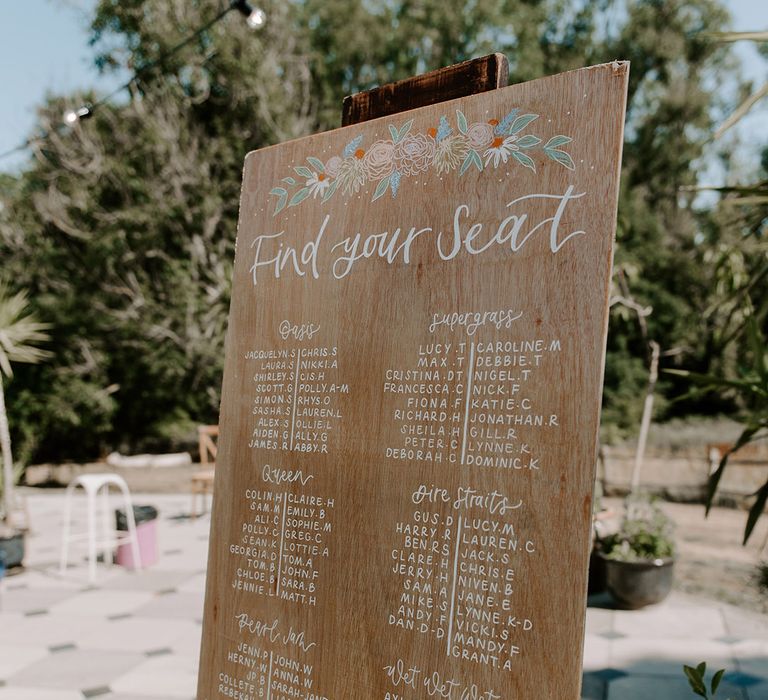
[639, 557]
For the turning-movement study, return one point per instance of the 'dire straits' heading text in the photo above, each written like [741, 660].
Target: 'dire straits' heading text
[321, 256]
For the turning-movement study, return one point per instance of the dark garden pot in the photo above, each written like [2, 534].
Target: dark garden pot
[12, 550]
[635, 584]
[596, 581]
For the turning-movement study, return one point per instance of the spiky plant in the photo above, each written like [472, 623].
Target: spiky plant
[20, 332]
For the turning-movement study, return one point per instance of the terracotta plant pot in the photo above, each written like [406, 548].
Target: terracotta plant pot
[635, 584]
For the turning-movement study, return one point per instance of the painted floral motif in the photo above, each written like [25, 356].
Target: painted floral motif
[482, 145]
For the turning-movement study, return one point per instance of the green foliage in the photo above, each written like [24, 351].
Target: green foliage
[123, 229]
[697, 680]
[751, 388]
[646, 533]
[20, 331]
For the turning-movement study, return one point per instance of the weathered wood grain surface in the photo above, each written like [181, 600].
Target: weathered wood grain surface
[461, 80]
[411, 402]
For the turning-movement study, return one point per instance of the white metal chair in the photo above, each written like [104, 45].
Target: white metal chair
[93, 485]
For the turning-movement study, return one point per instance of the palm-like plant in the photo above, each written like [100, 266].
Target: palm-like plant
[752, 388]
[19, 333]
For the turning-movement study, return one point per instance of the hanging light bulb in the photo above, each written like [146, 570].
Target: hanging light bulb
[72, 116]
[255, 17]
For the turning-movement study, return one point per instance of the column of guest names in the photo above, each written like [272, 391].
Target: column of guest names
[281, 546]
[297, 398]
[470, 403]
[459, 561]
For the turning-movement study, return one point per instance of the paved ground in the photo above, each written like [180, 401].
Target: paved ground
[136, 636]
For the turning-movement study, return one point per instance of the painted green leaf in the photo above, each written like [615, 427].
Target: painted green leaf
[461, 120]
[521, 122]
[316, 163]
[524, 160]
[556, 141]
[303, 171]
[465, 165]
[393, 133]
[381, 188]
[280, 204]
[279, 191]
[300, 196]
[289, 180]
[473, 158]
[528, 141]
[404, 129]
[561, 157]
[331, 190]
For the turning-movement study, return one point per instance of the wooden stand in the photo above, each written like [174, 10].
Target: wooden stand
[461, 80]
[410, 406]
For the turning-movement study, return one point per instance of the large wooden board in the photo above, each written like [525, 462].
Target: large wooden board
[411, 402]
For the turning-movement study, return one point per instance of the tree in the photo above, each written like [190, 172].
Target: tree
[144, 195]
[19, 334]
[741, 311]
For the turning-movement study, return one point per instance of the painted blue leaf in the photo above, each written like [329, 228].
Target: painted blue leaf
[300, 196]
[502, 128]
[381, 188]
[279, 191]
[317, 164]
[524, 160]
[280, 204]
[303, 171]
[352, 146]
[561, 157]
[521, 122]
[394, 182]
[558, 140]
[289, 180]
[444, 130]
[528, 141]
[461, 120]
[404, 129]
[393, 133]
[331, 190]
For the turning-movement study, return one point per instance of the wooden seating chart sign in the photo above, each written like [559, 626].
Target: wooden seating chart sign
[403, 492]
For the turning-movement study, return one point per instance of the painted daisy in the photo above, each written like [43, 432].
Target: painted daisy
[500, 150]
[318, 184]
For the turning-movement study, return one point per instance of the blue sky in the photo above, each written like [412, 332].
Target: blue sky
[44, 48]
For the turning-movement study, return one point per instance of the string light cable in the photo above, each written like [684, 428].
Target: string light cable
[255, 18]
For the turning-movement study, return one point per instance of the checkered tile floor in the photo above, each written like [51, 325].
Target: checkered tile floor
[136, 636]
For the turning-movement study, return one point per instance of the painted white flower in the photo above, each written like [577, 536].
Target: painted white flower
[333, 166]
[318, 184]
[500, 150]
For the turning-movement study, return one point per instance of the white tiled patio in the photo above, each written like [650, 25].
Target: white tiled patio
[136, 636]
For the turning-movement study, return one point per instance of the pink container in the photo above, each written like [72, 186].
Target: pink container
[146, 533]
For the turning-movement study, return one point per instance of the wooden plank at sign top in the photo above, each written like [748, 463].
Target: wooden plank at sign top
[460, 80]
[411, 398]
